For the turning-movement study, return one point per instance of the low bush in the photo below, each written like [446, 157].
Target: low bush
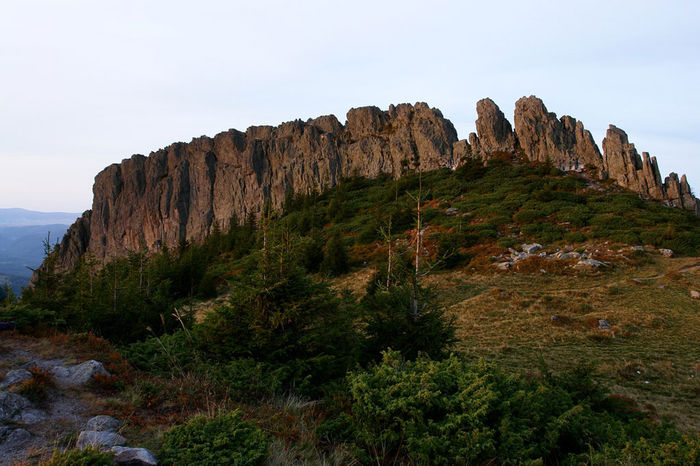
[451, 412]
[37, 387]
[223, 439]
[30, 319]
[544, 232]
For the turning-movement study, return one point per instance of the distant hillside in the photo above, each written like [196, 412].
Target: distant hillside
[21, 247]
[22, 217]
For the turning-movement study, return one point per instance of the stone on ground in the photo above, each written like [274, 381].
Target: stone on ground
[15, 377]
[11, 404]
[14, 440]
[103, 423]
[79, 374]
[93, 438]
[134, 456]
[531, 248]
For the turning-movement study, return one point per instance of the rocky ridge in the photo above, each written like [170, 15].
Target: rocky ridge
[184, 191]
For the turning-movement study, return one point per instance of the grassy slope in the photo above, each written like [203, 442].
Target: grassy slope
[651, 353]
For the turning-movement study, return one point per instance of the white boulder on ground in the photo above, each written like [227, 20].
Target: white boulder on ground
[666, 252]
[531, 248]
[695, 294]
[79, 374]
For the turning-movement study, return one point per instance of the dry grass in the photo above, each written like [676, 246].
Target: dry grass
[514, 318]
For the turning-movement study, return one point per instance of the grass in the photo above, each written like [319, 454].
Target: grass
[508, 318]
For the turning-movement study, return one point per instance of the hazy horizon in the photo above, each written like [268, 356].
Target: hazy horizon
[88, 84]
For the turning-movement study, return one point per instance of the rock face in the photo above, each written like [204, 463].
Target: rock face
[494, 132]
[641, 174]
[563, 142]
[184, 191]
[181, 192]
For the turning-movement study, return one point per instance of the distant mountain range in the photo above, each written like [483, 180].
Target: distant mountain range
[22, 235]
[23, 217]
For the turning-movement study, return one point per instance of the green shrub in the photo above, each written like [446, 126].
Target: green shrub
[577, 215]
[448, 252]
[248, 379]
[544, 232]
[224, 439]
[507, 242]
[335, 257]
[575, 237]
[393, 321]
[162, 355]
[29, 318]
[451, 412]
[528, 216]
[90, 456]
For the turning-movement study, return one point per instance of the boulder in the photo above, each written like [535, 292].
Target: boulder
[80, 374]
[603, 324]
[695, 294]
[567, 255]
[133, 456]
[11, 404]
[15, 377]
[30, 416]
[531, 248]
[666, 252]
[94, 438]
[103, 423]
[15, 439]
[590, 263]
[451, 211]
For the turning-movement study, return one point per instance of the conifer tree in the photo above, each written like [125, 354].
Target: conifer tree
[335, 258]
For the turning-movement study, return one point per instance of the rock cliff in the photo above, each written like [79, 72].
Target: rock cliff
[182, 191]
[541, 137]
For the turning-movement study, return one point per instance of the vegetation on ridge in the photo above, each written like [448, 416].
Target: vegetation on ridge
[398, 368]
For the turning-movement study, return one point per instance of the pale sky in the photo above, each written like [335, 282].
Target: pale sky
[87, 83]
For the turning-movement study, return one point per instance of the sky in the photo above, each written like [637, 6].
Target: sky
[84, 84]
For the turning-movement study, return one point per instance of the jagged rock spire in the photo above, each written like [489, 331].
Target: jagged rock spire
[564, 142]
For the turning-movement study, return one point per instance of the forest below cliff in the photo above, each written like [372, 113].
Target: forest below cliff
[344, 327]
